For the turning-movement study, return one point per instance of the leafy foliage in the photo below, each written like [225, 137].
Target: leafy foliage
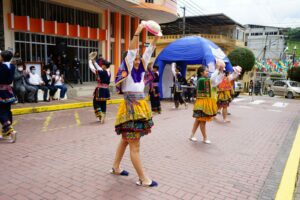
[242, 57]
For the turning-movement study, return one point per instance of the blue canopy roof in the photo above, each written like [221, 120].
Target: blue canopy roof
[189, 50]
[193, 50]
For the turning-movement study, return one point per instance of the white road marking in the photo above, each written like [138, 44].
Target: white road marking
[257, 102]
[280, 104]
[248, 107]
[273, 110]
[237, 100]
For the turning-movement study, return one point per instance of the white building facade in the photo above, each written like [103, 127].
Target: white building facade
[266, 42]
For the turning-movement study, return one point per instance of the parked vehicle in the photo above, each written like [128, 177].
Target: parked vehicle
[257, 88]
[286, 88]
[238, 88]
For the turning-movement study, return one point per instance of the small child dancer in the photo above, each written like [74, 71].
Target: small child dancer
[101, 93]
[205, 107]
[225, 92]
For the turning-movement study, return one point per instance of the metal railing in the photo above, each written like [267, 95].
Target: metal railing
[207, 36]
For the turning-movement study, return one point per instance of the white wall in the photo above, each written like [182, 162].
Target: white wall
[275, 44]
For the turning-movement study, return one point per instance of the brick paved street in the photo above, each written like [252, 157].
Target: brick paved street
[67, 154]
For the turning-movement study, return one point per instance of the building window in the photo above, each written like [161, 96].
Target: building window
[149, 1]
[53, 12]
[132, 29]
[112, 24]
[123, 50]
[37, 48]
[112, 49]
[123, 26]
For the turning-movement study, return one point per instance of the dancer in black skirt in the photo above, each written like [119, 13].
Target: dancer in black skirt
[101, 94]
[154, 92]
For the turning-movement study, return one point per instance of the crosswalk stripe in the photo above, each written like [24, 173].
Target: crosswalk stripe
[280, 104]
[257, 102]
[238, 100]
[248, 107]
[273, 110]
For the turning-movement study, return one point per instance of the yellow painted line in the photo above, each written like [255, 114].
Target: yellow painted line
[15, 122]
[288, 180]
[77, 119]
[39, 109]
[55, 129]
[47, 122]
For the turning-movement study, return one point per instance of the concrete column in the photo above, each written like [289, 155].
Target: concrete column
[9, 37]
[1, 26]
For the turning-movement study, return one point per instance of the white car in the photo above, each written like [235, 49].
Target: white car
[286, 88]
[238, 88]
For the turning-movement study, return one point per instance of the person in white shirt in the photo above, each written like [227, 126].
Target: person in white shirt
[58, 80]
[36, 81]
[177, 89]
[134, 118]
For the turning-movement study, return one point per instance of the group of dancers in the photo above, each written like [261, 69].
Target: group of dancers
[134, 117]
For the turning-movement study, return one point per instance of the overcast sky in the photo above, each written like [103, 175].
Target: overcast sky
[283, 13]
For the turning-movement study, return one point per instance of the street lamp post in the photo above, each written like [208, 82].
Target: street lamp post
[294, 54]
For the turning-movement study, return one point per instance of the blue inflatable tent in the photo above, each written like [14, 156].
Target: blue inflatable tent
[190, 50]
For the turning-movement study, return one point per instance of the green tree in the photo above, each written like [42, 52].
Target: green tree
[294, 34]
[242, 57]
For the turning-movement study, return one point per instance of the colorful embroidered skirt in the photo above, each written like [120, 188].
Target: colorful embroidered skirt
[134, 118]
[224, 99]
[205, 109]
[7, 96]
[101, 94]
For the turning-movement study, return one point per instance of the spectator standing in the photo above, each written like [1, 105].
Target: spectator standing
[35, 80]
[194, 80]
[189, 93]
[64, 66]
[51, 64]
[17, 60]
[178, 81]
[58, 80]
[47, 79]
[77, 74]
[251, 88]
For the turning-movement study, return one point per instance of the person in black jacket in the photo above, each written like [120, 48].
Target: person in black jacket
[7, 96]
[47, 78]
[77, 74]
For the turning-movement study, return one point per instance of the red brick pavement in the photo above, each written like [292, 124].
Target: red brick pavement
[70, 161]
